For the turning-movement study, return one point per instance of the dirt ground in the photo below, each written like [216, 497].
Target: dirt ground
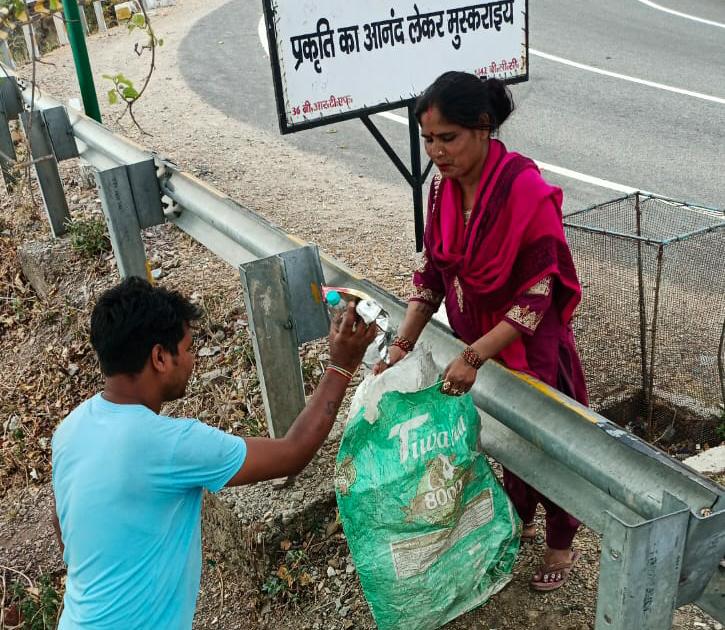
[48, 368]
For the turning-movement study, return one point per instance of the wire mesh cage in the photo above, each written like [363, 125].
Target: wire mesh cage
[651, 326]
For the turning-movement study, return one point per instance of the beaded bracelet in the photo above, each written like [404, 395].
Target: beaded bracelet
[341, 371]
[472, 357]
[403, 343]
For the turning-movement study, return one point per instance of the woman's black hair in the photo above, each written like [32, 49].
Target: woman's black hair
[131, 318]
[466, 100]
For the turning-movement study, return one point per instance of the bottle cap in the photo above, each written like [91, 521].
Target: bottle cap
[333, 298]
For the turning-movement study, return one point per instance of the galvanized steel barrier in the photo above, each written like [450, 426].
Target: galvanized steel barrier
[662, 524]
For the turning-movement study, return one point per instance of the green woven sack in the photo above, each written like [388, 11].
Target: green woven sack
[430, 529]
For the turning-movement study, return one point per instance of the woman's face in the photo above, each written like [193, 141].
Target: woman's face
[458, 152]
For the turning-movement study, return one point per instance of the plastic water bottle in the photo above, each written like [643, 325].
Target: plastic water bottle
[369, 312]
[334, 301]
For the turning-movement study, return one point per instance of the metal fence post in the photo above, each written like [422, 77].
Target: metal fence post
[76, 19]
[100, 19]
[7, 152]
[271, 324]
[119, 208]
[6, 56]
[10, 108]
[46, 170]
[60, 29]
[639, 570]
[30, 42]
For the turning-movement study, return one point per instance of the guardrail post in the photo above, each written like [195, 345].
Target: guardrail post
[60, 29]
[30, 43]
[60, 133]
[6, 56]
[119, 208]
[639, 570]
[712, 601]
[100, 19]
[7, 152]
[146, 193]
[275, 343]
[46, 170]
[284, 305]
[10, 108]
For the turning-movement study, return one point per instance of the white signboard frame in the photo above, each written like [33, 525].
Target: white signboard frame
[334, 60]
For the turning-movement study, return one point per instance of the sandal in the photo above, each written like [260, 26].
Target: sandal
[557, 572]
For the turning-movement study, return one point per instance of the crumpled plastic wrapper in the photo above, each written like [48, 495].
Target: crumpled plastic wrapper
[370, 311]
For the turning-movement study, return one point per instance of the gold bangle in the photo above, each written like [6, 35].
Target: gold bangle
[472, 357]
[342, 371]
[405, 344]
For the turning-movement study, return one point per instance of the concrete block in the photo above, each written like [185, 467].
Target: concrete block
[246, 525]
[44, 264]
[711, 461]
[52, 266]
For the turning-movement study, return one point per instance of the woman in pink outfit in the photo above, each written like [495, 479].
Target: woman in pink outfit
[495, 250]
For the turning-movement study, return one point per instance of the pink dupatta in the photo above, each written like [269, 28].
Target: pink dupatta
[513, 239]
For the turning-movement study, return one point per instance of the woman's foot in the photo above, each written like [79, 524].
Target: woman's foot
[554, 570]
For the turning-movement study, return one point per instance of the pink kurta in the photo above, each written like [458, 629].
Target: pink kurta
[508, 261]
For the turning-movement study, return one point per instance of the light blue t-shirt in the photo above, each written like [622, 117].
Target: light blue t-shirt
[128, 488]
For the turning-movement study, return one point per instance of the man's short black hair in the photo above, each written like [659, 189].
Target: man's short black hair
[131, 318]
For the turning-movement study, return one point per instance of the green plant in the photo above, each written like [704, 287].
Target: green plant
[288, 582]
[16, 304]
[35, 606]
[89, 237]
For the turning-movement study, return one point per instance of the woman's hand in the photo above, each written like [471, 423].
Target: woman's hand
[417, 315]
[458, 377]
[395, 354]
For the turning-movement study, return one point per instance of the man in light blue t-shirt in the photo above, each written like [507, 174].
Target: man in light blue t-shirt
[129, 482]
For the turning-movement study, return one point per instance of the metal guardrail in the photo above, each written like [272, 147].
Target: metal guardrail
[663, 524]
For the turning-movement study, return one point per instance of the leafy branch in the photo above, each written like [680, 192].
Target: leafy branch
[123, 90]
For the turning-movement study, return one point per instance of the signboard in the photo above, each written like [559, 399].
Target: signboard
[339, 59]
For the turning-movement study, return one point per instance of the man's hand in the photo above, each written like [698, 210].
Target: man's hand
[349, 338]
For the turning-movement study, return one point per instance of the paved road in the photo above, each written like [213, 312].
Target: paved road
[603, 126]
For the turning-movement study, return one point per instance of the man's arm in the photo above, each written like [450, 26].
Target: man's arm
[273, 458]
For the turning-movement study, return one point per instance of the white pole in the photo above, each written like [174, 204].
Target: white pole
[6, 56]
[60, 29]
[102, 28]
[30, 42]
